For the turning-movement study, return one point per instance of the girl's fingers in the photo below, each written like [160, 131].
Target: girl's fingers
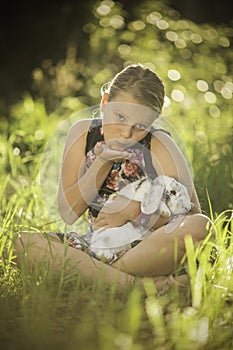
[107, 153]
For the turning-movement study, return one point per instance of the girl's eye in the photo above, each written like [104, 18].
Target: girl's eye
[141, 126]
[120, 117]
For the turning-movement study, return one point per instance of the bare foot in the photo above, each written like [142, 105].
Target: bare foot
[165, 283]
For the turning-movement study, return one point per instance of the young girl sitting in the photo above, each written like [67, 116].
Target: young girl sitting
[101, 157]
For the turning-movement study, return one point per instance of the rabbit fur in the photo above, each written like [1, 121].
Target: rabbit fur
[163, 195]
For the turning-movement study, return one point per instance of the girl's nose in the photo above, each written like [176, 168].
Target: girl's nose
[126, 131]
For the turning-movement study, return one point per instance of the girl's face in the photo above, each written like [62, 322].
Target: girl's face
[125, 121]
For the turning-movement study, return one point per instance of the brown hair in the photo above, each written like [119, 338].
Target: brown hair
[144, 85]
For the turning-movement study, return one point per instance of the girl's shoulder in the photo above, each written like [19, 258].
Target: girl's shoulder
[86, 132]
[163, 144]
[158, 131]
[80, 126]
[161, 135]
[78, 132]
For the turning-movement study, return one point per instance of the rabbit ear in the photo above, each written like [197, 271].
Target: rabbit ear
[151, 202]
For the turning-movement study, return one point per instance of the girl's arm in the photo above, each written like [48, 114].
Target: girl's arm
[77, 188]
[117, 213]
[73, 193]
[168, 160]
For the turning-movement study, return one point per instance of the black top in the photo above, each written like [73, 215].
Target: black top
[123, 172]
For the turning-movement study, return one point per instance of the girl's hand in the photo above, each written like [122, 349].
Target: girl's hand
[106, 153]
[117, 213]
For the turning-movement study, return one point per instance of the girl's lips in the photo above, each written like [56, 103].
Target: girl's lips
[120, 145]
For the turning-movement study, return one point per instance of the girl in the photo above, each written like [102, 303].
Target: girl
[102, 156]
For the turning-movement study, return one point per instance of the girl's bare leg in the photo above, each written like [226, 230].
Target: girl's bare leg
[161, 252]
[33, 248]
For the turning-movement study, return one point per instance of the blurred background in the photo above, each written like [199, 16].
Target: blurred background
[55, 56]
[32, 32]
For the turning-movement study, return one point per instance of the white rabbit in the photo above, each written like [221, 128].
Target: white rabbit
[166, 196]
[163, 195]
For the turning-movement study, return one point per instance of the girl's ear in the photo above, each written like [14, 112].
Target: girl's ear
[104, 100]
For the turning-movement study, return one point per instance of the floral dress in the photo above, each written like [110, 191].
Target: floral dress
[121, 174]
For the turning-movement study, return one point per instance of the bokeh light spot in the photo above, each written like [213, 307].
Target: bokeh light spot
[229, 85]
[153, 17]
[172, 36]
[214, 111]
[223, 41]
[180, 43]
[196, 38]
[103, 9]
[173, 74]
[186, 54]
[182, 24]
[226, 93]
[162, 24]
[200, 136]
[124, 49]
[138, 25]
[117, 22]
[16, 151]
[89, 28]
[39, 135]
[218, 85]
[177, 95]
[210, 97]
[105, 22]
[38, 74]
[186, 34]
[211, 34]
[202, 85]
[149, 65]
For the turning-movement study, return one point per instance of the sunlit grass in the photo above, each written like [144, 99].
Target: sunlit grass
[51, 310]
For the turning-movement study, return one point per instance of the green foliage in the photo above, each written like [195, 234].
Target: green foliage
[52, 311]
[47, 309]
[195, 62]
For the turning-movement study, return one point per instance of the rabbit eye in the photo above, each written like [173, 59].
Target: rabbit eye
[173, 192]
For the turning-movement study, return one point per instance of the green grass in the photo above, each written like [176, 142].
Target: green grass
[52, 311]
[47, 310]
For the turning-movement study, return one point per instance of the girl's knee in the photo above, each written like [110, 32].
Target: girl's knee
[194, 226]
[197, 225]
